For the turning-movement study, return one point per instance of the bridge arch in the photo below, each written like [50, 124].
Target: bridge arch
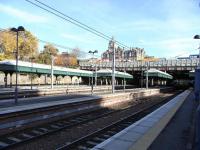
[75, 80]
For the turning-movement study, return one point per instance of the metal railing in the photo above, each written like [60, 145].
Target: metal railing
[173, 64]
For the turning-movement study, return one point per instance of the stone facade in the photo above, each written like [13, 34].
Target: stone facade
[24, 79]
[131, 54]
[134, 54]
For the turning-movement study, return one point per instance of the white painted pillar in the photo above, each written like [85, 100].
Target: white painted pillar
[152, 82]
[158, 81]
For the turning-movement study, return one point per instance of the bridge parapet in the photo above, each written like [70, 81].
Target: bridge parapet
[170, 64]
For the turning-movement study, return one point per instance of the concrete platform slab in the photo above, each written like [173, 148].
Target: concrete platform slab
[18, 108]
[129, 136]
[6, 106]
[175, 135]
[141, 134]
[117, 144]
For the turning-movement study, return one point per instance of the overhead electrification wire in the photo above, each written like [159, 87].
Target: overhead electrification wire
[65, 17]
[79, 22]
[50, 7]
[42, 41]
[72, 18]
[47, 42]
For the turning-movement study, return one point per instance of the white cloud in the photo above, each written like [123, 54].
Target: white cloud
[23, 15]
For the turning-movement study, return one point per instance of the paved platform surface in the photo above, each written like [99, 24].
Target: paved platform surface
[41, 87]
[57, 87]
[140, 135]
[34, 100]
[26, 104]
[176, 134]
[44, 102]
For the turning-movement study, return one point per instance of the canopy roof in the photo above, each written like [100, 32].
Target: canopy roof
[108, 72]
[28, 67]
[158, 73]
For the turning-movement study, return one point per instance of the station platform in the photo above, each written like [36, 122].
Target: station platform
[74, 104]
[44, 90]
[166, 128]
[178, 134]
[33, 100]
[8, 106]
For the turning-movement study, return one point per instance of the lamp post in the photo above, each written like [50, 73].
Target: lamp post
[32, 58]
[113, 66]
[52, 62]
[92, 85]
[17, 30]
[147, 76]
[124, 74]
[198, 37]
[95, 75]
[142, 76]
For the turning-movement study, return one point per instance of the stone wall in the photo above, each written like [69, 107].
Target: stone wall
[43, 79]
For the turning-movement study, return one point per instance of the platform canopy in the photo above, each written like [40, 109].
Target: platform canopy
[108, 73]
[28, 67]
[159, 74]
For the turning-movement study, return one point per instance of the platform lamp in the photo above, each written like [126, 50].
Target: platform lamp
[17, 30]
[198, 37]
[147, 75]
[113, 65]
[32, 58]
[124, 83]
[52, 71]
[92, 85]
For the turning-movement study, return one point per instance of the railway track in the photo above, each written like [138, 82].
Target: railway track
[8, 141]
[11, 140]
[38, 115]
[91, 140]
[41, 110]
[27, 93]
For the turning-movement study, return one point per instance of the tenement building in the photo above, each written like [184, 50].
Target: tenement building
[121, 54]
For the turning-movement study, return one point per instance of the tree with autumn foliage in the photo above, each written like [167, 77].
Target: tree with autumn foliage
[48, 51]
[28, 49]
[28, 45]
[65, 60]
[68, 59]
[59, 60]
[75, 53]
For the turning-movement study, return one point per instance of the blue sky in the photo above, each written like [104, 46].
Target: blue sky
[164, 28]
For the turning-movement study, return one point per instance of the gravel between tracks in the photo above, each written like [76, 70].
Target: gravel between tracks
[60, 138]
